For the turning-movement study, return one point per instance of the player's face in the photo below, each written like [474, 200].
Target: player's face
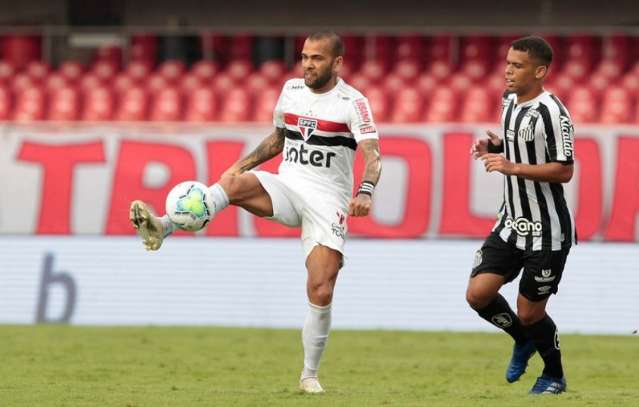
[319, 64]
[522, 72]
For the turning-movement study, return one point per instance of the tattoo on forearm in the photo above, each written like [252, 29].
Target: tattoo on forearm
[268, 148]
[370, 149]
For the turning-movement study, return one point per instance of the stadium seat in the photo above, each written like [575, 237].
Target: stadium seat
[98, 104]
[110, 54]
[6, 71]
[156, 82]
[581, 48]
[476, 70]
[440, 69]
[631, 83]
[55, 81]
[22, 81]
[132, 105]
[64, 104]
[426, 84]
[190, 82]
[408, 106]
[373, 70]
[599, 83]
[383, 49]
[201, 105]
[273, 71]
[407, 69]
[442, 105]
[360, 82]
[616, 105]
[104, 70]
[172, 70]
[236, 106]
[265, 102]
[122, 82]
[143, 47]
[477, 105]
[409, 47]
[478, 51]
[441, 49]
[30, 105]
[71, 70]
[379, 103]
[618, 48]
[256, 82]
[241, 47]
[460, 82]
[19, 50]
[393, 84]
[612, 68]
[138, 70]
[166, 105]
[582, 104]
[38, 70]
[223, 83]
[239, 69]
[90, 81]
[5, 103]
[205, 70]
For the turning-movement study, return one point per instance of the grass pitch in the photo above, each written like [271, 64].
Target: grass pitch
[152, 366]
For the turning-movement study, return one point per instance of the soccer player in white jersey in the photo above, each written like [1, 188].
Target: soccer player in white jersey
[319, 123]
[535, 228]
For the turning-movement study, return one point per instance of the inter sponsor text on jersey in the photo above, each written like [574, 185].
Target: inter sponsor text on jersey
[534, 215]
[322, 132]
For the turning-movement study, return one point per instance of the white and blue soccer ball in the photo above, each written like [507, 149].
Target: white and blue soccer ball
[189, 206]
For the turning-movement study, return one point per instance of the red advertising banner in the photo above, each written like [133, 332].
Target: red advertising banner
[80, 179]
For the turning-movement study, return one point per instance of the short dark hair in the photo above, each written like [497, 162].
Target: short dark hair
[336, 41]
[536, 47]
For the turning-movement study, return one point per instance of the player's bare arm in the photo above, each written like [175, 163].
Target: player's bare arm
[548, 172]
[360, 205]
[482, 146]
[268, 148]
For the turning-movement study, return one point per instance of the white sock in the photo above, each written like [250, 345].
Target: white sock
[219, 198]
[314, 336]
[168, 226]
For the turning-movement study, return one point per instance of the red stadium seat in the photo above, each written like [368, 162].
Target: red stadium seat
[426, 84]
[393, 84]
[172, 70]
[577, 70]
[139, 70]
[98, 104]
[5, 103]
[166, 105]
[156, 83]
[37, 70]
[239, 69]
[273, 71]
[477, 106]
[409, 47]
[256, 82]
[581, 48]
[223, 83]
[502, 47]
[71, 70]
[22, 81]
[360, 82]
[64, 104]
[19, 50]
[143, 48]
[479, 49]
[617, 48]
[241, 47]
[610, 68]
[373, 70]
[408, 106]
[6, 71]
[123, 81]
[379, 102]
[354, 45]
[442, 106]
[599, 83]
[111, 54]
[132, 105]
[460, 82]
[441, 48]
[205, 70]
[190, 82]
[30, 105]
[265, 102]
[407, 69]
[201, 105]
[383, 49]
[582, 104]
[104, 70]
[440, 70]
[55, 81]
[90, 81]
[236, 106]
[631, 82]
[616, 106]
[475, 70]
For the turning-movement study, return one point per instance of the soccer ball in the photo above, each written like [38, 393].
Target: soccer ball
[189, 206]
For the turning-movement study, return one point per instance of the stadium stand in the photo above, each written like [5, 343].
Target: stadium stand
[409, 78]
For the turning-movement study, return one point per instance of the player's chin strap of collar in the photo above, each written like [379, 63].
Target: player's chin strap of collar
[366, 188]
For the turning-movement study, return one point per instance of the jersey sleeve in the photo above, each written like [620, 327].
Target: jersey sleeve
[361, 123]
[560, 134]
[278, 111]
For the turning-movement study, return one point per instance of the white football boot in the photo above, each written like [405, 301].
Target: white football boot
[148, 226]
[310, 385]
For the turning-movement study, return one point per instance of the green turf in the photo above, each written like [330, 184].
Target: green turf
[89, 366]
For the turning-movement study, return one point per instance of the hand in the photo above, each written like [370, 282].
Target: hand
[360, 205]
[480, 147]
[499, 163]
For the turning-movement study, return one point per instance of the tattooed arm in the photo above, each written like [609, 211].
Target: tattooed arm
[268, 148]
[360, 205]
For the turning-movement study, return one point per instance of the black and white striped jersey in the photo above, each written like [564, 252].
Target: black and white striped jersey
[534, 215]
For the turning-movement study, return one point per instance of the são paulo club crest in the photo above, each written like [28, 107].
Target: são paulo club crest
[307, 126]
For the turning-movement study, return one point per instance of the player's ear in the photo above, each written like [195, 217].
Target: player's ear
[337, 63]
[541, 71]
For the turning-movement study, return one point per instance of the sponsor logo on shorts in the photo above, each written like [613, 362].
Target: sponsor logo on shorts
[545, 277]
[502, 320]
[524, 227]
[478, 258]
[339, 227]
[367, 129]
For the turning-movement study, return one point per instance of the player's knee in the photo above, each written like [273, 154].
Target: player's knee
[529, 316]
[477, 299]
[321, 294]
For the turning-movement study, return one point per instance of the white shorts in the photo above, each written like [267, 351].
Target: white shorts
[322, 216]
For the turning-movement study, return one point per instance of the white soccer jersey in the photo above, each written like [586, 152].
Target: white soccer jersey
[322, 132]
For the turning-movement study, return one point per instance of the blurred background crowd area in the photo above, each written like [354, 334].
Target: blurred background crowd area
[126, 71]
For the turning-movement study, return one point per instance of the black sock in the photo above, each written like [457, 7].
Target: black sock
[544, 334]
[499, 313]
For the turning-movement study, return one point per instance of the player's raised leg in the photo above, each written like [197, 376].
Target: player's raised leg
[243, 190]
[323, 264]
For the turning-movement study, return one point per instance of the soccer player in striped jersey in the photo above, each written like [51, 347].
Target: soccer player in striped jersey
[535, 228]
[319, 123]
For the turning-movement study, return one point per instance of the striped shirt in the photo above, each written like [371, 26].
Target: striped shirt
[534, 215]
